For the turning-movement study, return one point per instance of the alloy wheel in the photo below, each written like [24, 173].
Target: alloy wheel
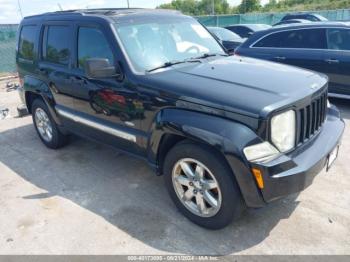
[196, 187]
[43, 124]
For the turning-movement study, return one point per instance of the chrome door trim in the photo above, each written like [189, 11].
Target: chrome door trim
[98, 126]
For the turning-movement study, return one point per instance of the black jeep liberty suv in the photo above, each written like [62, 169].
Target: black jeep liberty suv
[226, 131]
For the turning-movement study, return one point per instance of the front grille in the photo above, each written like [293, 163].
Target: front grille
[311, 118]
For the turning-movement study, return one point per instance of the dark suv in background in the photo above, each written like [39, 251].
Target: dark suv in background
[226, 132]
[305, 16]
[247, 30]
[322, 47]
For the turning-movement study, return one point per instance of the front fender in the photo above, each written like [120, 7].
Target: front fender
[227, 136]
[32, 85]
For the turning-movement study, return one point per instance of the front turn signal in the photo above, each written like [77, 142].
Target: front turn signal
[258, 177]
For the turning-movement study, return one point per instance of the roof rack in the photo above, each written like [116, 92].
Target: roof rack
[103, 11]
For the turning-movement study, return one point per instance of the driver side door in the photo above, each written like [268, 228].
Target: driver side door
[106, 108]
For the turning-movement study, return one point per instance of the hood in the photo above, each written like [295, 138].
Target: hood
[239, 84]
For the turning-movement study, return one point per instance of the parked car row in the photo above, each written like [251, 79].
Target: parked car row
[316, 44]
[320, 46]
[227, 38]
[227, 132]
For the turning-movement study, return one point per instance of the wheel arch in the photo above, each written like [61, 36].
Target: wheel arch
[225, 136]
[35, 88]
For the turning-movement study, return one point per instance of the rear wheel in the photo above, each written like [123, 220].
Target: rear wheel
[46, 127]
[202, 185]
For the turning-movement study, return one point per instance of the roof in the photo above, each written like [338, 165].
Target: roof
[104, 12]
[310, 25]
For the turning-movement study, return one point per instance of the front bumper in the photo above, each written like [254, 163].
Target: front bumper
[295, 171]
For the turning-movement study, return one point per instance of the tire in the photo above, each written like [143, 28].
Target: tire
[227, 193]
[57, 139]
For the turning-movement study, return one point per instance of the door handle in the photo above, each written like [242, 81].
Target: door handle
[280, 58]
[332, 61]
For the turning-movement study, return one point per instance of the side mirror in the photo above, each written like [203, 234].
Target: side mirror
[101, 68]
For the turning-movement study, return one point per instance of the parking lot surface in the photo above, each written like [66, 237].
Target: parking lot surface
[88, 198]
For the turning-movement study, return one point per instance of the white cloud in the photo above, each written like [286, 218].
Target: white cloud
[9, 12]
[84, 4]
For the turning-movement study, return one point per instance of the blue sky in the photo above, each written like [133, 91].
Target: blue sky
[9, 12]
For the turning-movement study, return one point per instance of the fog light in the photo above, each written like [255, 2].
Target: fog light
[258, 177]
[260, 152]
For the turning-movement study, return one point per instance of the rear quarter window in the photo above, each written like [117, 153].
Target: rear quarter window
[27, 42]
[338, 39]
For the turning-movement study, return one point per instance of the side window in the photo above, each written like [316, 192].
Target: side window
[92, 44]
[26, 48]
[338, 39]
[312, 18]
[273, 40]
[56, 44]
[306, 39]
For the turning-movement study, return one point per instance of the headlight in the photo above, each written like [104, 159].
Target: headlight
[260, 152]
[283, 130]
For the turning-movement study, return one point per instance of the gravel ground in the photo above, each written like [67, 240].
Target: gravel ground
[90, 199]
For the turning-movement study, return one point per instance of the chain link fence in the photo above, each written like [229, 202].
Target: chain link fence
[8, 32]
[7, 49]
[267, 18]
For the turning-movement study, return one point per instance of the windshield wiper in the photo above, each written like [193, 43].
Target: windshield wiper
[171, 63]
[206, 55]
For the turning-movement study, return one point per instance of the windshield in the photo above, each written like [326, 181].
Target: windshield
[150, 43]
[322, 18]
[224, 34]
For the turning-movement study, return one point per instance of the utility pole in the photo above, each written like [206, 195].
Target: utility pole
[128, 3]
[213, 7]
[20, 8]
[60, 7]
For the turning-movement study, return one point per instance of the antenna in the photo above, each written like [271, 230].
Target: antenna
[20, 8]
[60, 7]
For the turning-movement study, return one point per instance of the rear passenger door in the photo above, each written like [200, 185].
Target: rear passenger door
[298, 47]
[305, 48]
[55, 61]
[337, 60]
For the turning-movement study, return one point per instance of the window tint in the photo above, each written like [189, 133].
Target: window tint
[92, 44]
[338, 39]
[56, 44]
[273, 40]
[243, 30]
[26, 48]
[308, 39]
[287, 17]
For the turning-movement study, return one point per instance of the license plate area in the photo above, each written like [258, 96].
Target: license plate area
[332, 157]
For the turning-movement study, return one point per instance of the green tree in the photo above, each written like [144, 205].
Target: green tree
[199, 7]
[248, 6]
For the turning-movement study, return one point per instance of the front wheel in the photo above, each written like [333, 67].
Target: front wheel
[202, 185]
